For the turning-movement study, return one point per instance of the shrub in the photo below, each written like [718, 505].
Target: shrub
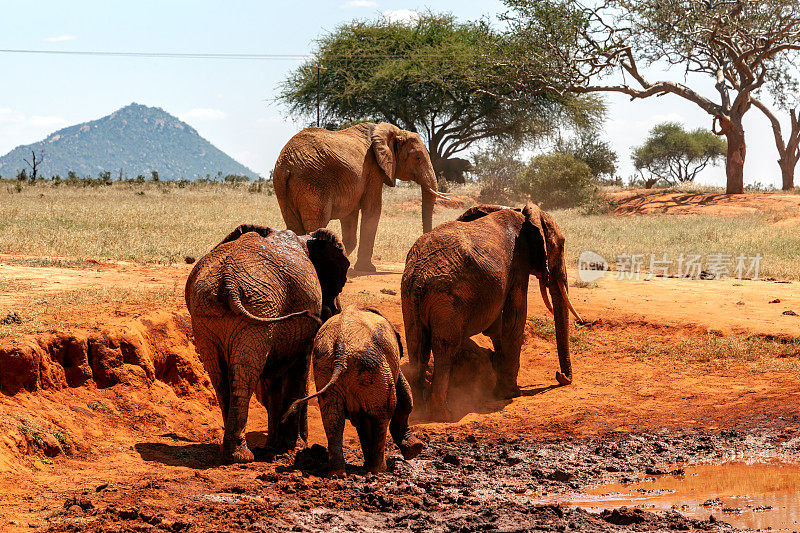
[557, 180]
[498, 169]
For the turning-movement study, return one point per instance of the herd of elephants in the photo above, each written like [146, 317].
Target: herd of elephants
[264, 302]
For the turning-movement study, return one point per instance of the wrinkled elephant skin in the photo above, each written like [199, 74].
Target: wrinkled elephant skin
[321, 175]
[256, 302]
[470, 276]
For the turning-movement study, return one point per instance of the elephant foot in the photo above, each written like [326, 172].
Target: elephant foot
[336, 473]
[563, 379]
[237, 454]
[506, 392]
[411, 447]
[366, 266]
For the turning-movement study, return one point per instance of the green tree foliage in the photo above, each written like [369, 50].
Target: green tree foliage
[447, 80]
[672, 154]
[596, 153]
[557, 180]
[741, 45]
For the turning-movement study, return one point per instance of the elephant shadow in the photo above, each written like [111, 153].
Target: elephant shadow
[471, 385]
[359, 273]
[199, 456]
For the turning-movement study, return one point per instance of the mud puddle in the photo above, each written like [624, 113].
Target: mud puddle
[750, 494]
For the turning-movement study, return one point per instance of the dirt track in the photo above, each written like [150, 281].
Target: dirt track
[155, 444]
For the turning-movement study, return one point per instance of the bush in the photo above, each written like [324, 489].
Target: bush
[557, 180]
[497, 169]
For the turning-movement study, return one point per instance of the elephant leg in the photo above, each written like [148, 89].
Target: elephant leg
[214, 362]
[274, 402]
[372, 435]
[495, 333]
[506, 363]
[243, 378]
[444, 350]
[332, 411]
[410, 446]
[286, 389]
[418, 343]
[295, 386]
[379, 429]
[349, 228]
[370, 216]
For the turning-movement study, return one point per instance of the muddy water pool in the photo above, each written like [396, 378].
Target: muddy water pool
[750, 494]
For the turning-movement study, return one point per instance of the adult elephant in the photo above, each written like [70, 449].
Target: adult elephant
[471, 276]
[453, 169]
[256, 302]
[322, 175]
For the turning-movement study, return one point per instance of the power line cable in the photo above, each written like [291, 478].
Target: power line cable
[225, 56]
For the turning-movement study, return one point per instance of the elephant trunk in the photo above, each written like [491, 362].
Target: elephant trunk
[429, 193]
[561, 316]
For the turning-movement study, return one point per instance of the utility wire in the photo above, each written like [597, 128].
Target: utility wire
[201, 55]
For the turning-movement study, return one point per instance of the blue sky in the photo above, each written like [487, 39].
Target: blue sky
[231, 102]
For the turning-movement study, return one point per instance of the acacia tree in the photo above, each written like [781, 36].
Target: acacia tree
[740, 44]
[788, 150]
[436, 77]
[672, 154]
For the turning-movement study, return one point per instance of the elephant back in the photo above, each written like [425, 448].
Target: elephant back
[367, 345]
[275, 274]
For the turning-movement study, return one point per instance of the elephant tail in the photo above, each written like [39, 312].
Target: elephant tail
[236, 305]
[338, 370]
[289, 211]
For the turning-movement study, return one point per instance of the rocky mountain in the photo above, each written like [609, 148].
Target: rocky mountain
[136, 139]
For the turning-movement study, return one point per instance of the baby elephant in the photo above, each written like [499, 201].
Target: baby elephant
[357, 371]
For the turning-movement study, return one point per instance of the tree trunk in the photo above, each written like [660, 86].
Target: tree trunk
[737, 149]
[787, 172]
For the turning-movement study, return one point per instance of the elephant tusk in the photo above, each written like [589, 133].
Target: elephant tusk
[543, 289]
[438, 194]
[566, 299]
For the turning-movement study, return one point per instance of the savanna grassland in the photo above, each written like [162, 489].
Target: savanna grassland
[164, 223]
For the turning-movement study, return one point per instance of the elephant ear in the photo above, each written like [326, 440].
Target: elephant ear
[326, 252]
[246, 228]
[385, 138]
[396, 333]
[535, 230]
[481, 210]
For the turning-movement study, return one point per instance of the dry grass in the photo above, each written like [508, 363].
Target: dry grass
[611, 236]
[759, 353]
[167, 223]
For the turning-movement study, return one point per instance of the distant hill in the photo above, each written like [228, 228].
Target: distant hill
[136, 139]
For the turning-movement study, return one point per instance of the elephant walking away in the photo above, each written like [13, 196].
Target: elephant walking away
[470, 276]
[256, 302]
[323, 175]
[357, 372]
[453, 169]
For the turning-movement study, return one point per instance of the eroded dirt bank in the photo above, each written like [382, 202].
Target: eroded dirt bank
[112, 425]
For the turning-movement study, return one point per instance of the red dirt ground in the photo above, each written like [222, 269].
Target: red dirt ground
[639, 202]
[154, 394]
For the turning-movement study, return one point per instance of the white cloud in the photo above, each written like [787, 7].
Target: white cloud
[200, 113]
[41, 121]
[358, 3]
[60, 38]
[671, 117]
[401, 16]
